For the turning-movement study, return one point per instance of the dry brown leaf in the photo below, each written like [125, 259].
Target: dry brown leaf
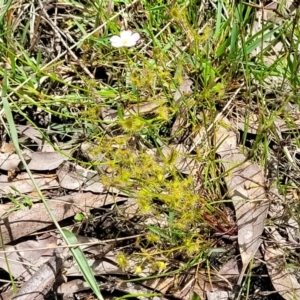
[7, 295]
[230, 269]
[187, 286]
[251, 123]
[25, 263]
[105, 265]
[184, 90]
[73, 177]
[292, 230]
[37, 161]
[41, 282]
[45, 161]
[142, 108]
[199, 287]
[245, 183]
[161, 285]
[66, 290]
[31, 133]
[109, 114]
[23, 222]
[9, 161]
[23, 184]
[219, 295]
[98, 247]
[7, 148]
[91, 152]
[180, 124]
[283, 280]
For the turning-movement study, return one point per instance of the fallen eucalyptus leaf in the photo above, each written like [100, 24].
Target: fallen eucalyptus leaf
[245, 183]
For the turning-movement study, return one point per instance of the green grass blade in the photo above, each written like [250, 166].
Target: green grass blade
[14, 138]
[83, 264]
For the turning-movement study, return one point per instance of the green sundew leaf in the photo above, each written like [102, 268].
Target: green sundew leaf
[83, 264]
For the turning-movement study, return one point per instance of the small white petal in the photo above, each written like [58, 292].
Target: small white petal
[117, 45]
[116, 41]
[130, 43]
[114, 38]
[126, 39]
[125, 34]
[135, 37]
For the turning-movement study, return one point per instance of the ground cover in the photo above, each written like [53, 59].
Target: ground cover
[149, 150]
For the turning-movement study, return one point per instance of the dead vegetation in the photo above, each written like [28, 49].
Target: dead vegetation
[165, 170]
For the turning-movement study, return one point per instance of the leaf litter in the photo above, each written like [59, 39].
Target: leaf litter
[246, 188]
[111, 213]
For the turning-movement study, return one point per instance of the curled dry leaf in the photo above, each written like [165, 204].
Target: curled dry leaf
[245, 183]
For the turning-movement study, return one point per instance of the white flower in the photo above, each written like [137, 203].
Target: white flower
[126, 39]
